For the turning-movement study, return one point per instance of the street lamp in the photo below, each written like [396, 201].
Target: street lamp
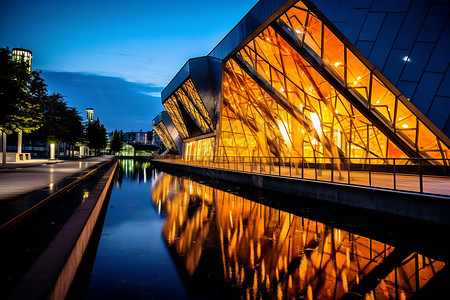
[52, 151]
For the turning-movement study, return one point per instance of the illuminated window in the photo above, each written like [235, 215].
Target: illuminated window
[199, 150]
[174, 112]
[163, 133]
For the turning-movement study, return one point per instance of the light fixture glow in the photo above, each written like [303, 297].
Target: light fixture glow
[316, 121]
[52, 151]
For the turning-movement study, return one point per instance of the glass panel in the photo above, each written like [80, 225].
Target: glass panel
[427, 142]
[406, 122]
[192, 93]
[358, 75]
[333, 53]
[174, 112]
[200, 150]
[192, 110]
[296, 19]
[313, 36]
[383, 100]
[163, 133]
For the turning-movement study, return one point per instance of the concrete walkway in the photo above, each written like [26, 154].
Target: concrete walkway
[22, 178]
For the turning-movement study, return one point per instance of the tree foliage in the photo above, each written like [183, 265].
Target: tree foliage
[21, 93]
[96, 136]
[61, 122]
[116, 142]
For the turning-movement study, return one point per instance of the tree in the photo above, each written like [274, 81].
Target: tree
[96, 136]
[19, 96]
[116, 141]
[62, 124]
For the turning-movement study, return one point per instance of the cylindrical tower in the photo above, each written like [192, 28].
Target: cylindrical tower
[89, 114]
[23, 55]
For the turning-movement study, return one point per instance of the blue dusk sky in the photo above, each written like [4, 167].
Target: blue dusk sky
[116, 56]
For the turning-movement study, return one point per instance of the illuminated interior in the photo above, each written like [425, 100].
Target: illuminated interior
[364, 84]
[22, 55]
[200, 149]
[186, 98]
[163, 133]
[268, 253]
[275, 103]
[173, 109]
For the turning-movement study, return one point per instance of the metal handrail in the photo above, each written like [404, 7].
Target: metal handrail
[330, 169]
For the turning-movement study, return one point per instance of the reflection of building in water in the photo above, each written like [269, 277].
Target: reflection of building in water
[139, 171]
[271, 254]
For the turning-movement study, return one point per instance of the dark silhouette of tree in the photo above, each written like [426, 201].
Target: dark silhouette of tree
[96, 136]
[116, 141]
[62, 124]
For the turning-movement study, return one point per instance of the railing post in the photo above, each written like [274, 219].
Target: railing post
[395, 182]
[370, 172]
[290, 164]
[302, 167]
[348, 170]
[279, 166]
[270, 167]
[315, 166]
[260, 165]
[332, 169]
[420, 176]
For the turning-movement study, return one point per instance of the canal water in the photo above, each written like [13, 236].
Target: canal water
[172, 237]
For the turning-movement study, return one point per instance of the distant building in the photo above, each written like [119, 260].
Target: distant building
[23, 55]
[89, 114]
[133, 137]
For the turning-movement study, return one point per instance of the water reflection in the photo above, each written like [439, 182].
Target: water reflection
[262, 252]
[134, 169]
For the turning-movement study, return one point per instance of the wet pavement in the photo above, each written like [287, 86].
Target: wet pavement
[23, 188]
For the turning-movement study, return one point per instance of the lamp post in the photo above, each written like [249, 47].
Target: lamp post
[52, 150]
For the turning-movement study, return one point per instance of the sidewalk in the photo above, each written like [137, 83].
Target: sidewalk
[25, 186]
[22, 178]
[27, 163]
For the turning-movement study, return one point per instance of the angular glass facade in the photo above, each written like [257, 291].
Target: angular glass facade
[297, 88]
[163, 133]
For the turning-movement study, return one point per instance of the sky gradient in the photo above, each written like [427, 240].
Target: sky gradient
[116, 56]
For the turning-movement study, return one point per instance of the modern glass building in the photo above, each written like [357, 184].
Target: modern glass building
[320, 79]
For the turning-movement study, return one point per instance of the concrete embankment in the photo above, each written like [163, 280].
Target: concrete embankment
[424, 207]
[51, 275]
